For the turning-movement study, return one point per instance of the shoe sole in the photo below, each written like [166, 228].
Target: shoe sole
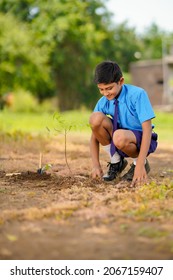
[125, 163]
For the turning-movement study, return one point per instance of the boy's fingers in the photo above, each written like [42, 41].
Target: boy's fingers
[133, 183]
[139, 182]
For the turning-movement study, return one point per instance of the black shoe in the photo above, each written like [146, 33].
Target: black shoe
[129, 175]
[115, 169]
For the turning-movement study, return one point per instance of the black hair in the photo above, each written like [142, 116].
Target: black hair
[107, 72]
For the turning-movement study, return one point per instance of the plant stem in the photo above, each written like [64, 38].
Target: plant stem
[65, 150]
[40, 161]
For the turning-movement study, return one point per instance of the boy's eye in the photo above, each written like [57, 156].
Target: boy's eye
[101, 89]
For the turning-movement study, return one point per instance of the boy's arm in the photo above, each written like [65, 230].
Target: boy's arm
[140, 175]
[94, 150]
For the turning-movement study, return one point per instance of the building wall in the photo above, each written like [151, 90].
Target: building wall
[168, 77]
[149, 75]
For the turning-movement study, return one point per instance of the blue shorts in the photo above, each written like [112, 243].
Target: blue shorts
[138, 134]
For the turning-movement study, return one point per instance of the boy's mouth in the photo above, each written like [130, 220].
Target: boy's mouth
[110, 97]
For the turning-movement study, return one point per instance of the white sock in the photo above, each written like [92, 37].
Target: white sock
[115, 158]
[135, 160]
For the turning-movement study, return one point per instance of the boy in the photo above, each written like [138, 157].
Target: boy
[130, 135]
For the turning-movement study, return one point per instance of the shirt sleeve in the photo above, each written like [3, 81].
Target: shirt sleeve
[99, 106]
[96, 109]
[144, 108]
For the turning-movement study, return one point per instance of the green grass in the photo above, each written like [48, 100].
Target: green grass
[164, 126]
[37, 123]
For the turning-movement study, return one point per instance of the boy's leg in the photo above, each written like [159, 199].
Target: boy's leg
[128, 142]
[102, 128]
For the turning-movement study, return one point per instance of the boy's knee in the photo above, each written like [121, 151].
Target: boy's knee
[96, 119]
[119, 139]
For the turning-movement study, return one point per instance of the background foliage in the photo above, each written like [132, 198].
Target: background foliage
[50, 48]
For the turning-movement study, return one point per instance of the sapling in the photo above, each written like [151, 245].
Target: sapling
[63, 128]
[46, 167]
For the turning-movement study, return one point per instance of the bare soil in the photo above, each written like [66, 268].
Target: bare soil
[67, 215]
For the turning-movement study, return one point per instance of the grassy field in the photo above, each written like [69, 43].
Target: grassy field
[164, 126]
[41, 123]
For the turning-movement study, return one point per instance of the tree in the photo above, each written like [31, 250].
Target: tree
[152, 42]
[22, 64]
[62, 41]
[126, 45]
[73, 32]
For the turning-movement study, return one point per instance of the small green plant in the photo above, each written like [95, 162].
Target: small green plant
[42, 169]
[64, 128]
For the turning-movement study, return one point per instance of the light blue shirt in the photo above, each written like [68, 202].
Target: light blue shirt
[134, 107]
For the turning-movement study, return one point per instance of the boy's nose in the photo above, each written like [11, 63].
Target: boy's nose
[106, 93]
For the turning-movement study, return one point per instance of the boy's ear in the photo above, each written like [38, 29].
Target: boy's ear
[121, 80]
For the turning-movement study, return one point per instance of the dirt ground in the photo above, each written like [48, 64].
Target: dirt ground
[67, 215]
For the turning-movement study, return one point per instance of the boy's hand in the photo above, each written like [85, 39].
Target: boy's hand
[97, 172]
[140, 176]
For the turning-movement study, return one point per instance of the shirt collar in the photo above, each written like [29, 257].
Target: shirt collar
[121, 95]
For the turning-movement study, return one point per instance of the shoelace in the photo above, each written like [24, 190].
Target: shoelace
[111, 167]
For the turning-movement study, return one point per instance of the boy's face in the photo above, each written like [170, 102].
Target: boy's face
[110, 91]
